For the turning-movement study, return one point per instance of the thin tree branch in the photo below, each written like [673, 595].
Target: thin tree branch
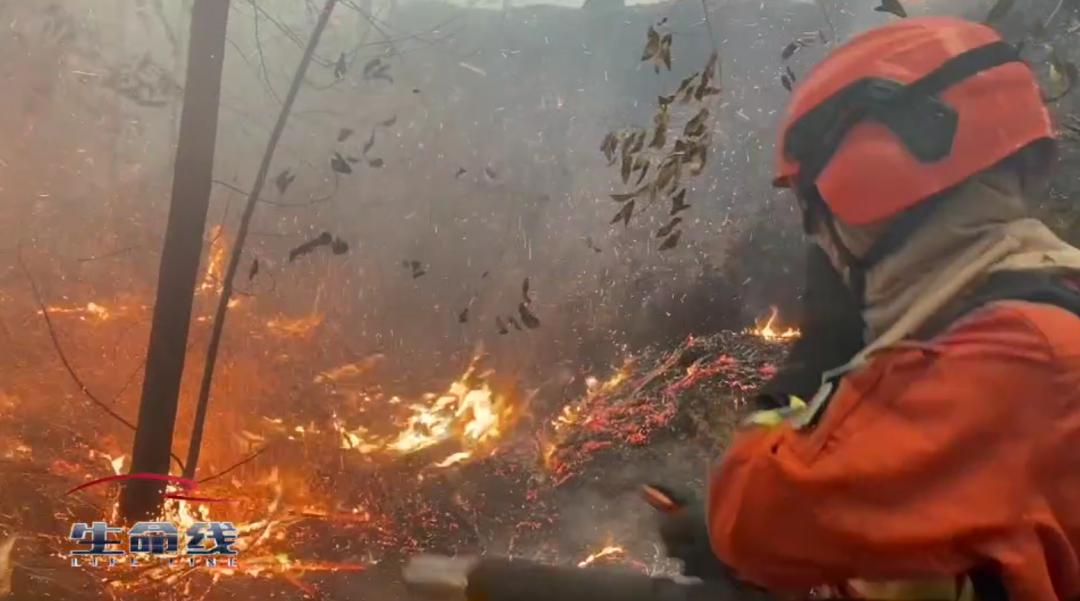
[109, 254]
[63, 357]
[241, 235]
[236, 465]
[262, 60]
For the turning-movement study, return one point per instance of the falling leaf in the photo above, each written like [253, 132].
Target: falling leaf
[7, 566]
[678, 202]
[609, 146]
[500, 326]
[375, 163]
[416, 90]
[789, 50]
[339, 164]
[460, 172]
[388, 122]
[671, 241]
[652, 45]
[624, 214]
[283, 180]
[339, 246]
[371, 65]
[415, 267]
[627, 167]
[695, 161]
[463, 316]
[1000, 8]
[380, 71]
[343, 134]
[514, 322]
[790, 74]
[370, 142]
[527, 317]
[685, 84]
[592, 245]
[254, 269]
[891, 6]
[490, 173]
[660, 125]
[525, 291]
[668, 173]
[628, 195]
[322, 239]
[784, 81]
[696, 125]
[664, 231]
[340, 67]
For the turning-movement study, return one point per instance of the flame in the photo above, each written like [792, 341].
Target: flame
[215, 264]
[610, 551]
[299, 326]
[89, 310]
[469, 413]
[767, 331]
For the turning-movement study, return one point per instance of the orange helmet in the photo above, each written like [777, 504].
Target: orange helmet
[905, 111]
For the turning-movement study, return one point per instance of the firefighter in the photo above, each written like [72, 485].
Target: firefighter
[943, 459]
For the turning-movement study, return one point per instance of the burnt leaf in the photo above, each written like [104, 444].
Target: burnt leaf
[696, 125]
[371, 65]
[416, 268]
[784, 81]
[340, 67]
[339, 246]
[525, 291]
[624, 214]
[254, 269]
[388, 122]
[527, 317]
[644, 171]
[627, 167]
[668, 173]
[666, 230]
[652, 44]
[490, 173]
[671, 241]
[1000, 8]
[381, 72]
[343, 134]
[660, 125]
[892, 7]
[790, 74]
[322, 239]
[665, 51]
[678, 203]
[664, 101]
[686, 84]
[283, 180]
[789, 50]
[339, 164]
[696, 157]
[500, 326]
[609, 146]
[375, 163]
[463, 316]
[514, 322]
[460, 172]
[592, 245]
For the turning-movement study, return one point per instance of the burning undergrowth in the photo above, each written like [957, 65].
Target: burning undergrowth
[364, 478]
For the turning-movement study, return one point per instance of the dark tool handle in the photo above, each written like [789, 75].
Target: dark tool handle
[507, 580]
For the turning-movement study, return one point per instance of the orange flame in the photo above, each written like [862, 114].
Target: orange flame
[768, 332]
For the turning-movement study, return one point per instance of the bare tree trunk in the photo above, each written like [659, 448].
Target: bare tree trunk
[180, 255]
[241, 235]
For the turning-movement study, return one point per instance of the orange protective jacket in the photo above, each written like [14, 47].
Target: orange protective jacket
[931, 460]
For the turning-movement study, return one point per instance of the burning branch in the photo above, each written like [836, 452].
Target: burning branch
[241, 236]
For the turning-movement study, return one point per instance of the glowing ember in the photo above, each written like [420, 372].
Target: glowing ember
[608, 552]
[90, 310]
[300, 326]
[215, 264]
[769, 332]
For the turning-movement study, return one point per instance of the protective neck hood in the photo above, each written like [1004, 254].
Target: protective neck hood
[977, 229]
